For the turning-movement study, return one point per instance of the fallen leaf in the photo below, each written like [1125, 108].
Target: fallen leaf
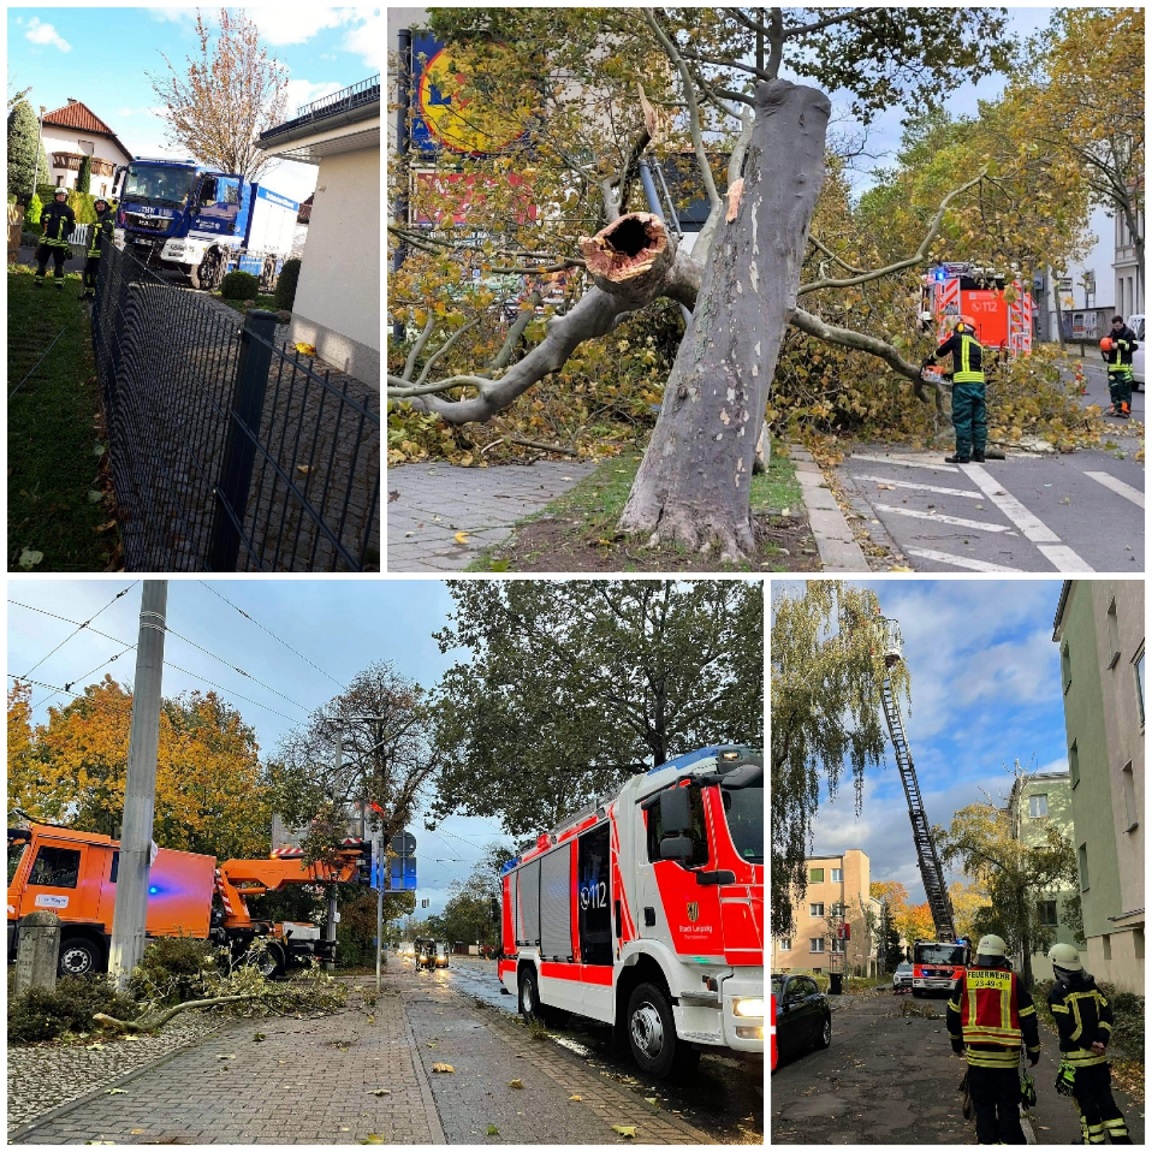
[515, 1083]
[137, 1131]
[461, 537]
[443, 1068]
[307, 350]
[29, 559]
[651, 1100]
[259, 1036]
[626, 1130]
[576, 1098]
[97, 1047]
[493, 1130]
[304, 469]
[372, 1138]
[116, 1092]
[380, 1092]
[226, 1056]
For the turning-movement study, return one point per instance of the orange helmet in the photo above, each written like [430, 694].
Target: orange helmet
[965, 324]
[1106, 344]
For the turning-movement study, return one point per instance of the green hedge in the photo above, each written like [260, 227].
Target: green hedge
[46, 1014]
[240, 286]
[286, 284]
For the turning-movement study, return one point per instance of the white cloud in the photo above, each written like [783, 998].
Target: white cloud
[301, 92]
[46, 34]
[366, 39]
[277, 28]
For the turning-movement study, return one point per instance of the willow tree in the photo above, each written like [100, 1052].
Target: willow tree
[700, 75]
[827, 717]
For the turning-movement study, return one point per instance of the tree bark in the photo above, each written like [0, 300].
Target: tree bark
[692, 487]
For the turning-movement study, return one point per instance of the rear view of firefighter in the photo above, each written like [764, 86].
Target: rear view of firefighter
[1084, 1021]
[989, 1016]
[969, 413]
[56, 224]
[1117, 349]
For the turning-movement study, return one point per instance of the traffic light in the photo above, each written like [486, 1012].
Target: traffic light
[365, 869]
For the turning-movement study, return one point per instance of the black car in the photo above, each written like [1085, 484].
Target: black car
[803, 1017]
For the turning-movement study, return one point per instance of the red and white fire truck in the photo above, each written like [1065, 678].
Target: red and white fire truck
[937, 965]
[1000, 308]
[646, 911]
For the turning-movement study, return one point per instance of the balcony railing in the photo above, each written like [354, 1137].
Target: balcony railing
[71, 161]
[346, 100]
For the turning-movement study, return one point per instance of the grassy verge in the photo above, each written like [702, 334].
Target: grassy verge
[577, 531]
[58, 516]
[268, 303]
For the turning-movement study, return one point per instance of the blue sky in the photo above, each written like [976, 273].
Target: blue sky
[332, 628]
[101, 55]
[985, 692]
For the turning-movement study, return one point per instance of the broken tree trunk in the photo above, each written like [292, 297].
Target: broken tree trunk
[692, 487]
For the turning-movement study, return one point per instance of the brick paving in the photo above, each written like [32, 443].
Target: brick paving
[363, 1073]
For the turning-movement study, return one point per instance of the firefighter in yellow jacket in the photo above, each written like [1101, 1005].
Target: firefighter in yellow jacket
[56, 224]
[990, 1015]
[1083, 1018]
[969, 407]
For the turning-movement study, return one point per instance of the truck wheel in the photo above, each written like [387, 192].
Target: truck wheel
[530, 1006]
[652, 1035]
[270, 960]
[79, 957]
[210, 271]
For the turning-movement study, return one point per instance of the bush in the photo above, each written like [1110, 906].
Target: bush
[240, 286]
[286, 285]
[35, 207]
[174, 969]
[47, 1014]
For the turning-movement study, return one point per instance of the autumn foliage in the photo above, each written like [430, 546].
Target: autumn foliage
[210, 791]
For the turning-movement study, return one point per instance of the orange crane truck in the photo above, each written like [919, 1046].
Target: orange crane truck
[73, 874]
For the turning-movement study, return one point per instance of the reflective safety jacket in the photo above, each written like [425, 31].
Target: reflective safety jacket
[105, 226]
[993, 1015]
[967, 358]
[1083, 1017]
[56, 224]
[1124, 343]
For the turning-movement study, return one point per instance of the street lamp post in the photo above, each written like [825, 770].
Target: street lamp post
[39, 145]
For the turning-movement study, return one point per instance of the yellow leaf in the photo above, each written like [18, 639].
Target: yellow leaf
[443, 1068]
[117, 1092]
[577, 1099]
[626, 1130]
[305, 349]
[372, 1138]
[461, 537]
[515, 1083]
[304, 468]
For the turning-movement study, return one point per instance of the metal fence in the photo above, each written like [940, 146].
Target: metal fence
[228, 452]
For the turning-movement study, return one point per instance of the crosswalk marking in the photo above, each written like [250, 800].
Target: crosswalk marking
[907, 462]
[939, 518]
[961, 561]
[1032, 526]
[934, 488]
[1063, 559]
[1118, 486]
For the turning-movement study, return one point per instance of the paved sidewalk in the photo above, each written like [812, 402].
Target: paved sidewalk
[367, 1074]
[835, 540]
[429, 504]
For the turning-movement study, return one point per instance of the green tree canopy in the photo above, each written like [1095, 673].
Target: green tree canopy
[571, 686]
[827, 718]
[27, 160]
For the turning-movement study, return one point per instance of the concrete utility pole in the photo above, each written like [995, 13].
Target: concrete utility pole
[128, 920]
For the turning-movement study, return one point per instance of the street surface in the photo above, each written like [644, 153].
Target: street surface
[439, 1058]
[890, 1078]
[1077, 512]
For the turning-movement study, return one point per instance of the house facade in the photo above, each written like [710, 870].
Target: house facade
[1100, 629]
[836, 921]
[73, 132]
[337, 306]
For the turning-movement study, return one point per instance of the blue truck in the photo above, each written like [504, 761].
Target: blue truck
[178, 214]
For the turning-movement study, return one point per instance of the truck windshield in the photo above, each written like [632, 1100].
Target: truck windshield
[949, 954]
[744, 808]
[158, 183]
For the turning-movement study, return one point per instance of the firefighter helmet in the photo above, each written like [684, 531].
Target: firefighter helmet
[1106, 344]
[1066, 957]
[60, 192]
[991, 946]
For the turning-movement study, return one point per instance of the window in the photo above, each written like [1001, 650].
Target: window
[1128, 791]
[1139, 663]
[697, 835]
[1066, 666]
[815, 875]
[816, 944]
[56, 868]
[816, 909]
[785, 944]
[1082, 855]
[1038, 805]
[1046, 913]
[837, 910]
[837, 875]
[1074, 764]
[838, 945]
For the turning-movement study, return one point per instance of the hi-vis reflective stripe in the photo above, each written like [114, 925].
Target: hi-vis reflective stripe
[1020, 322]
[947, 307]
[985, 1031]
[223, 893]
[283, 853]
[966, 373]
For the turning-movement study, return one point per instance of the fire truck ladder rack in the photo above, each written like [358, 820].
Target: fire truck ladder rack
[931, 871]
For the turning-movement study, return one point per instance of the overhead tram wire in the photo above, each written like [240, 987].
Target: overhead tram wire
[279, 639]
[79, 627]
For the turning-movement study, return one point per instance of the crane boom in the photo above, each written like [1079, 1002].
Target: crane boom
[931, 870]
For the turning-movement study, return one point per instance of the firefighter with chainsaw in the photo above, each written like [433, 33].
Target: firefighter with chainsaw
[969, 413]
[989, 1016]
[103, 228]
[56, 224]
[1117, 350]
[1083, 1018]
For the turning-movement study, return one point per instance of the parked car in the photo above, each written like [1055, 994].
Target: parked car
[1136, 323]
[440, 959]
[902, 977]
[803, 1017]
[425, 952]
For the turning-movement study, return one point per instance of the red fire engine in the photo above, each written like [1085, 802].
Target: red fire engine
[646, 911]
[1000, 309]
[937, 965]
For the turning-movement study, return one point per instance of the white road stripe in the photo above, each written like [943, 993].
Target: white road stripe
[955, 521]
[1032, 526]
[966, 493]
[960, 561]
[1125, 490]
[908, 462]
[1064, 559]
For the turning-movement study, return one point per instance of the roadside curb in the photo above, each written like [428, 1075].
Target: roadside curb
[839, 551]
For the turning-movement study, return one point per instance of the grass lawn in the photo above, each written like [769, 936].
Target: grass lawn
[577, 531]
[58, 510]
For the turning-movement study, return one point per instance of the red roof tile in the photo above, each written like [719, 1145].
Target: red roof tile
[74, 114]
